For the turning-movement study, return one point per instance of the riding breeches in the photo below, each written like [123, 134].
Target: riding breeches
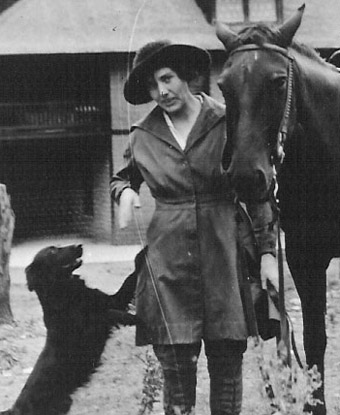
[179, 364]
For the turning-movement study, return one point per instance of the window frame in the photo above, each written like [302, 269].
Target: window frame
[246, 12]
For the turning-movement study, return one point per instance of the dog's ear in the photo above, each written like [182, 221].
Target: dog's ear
[33, 276]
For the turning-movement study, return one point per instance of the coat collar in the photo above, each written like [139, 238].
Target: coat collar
[211, 113]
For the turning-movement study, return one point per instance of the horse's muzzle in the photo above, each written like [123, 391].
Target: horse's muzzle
[250, 187]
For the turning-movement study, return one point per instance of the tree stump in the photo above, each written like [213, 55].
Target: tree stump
[7, 221]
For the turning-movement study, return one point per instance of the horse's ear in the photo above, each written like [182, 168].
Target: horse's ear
[288, 29]
[225, 35]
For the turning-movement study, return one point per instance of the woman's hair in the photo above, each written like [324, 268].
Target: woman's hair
[183, 71]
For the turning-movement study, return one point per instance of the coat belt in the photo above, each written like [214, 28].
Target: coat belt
[189, 202]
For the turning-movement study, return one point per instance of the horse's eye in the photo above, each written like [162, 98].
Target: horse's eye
[279, 83]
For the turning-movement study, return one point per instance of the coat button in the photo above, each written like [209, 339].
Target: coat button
[192, 235]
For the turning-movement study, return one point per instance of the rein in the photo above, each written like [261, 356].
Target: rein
[284, 327]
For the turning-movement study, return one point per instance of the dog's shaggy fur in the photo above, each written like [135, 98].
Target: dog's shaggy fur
[78, 321]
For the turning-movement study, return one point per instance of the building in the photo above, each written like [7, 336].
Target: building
[63, 121]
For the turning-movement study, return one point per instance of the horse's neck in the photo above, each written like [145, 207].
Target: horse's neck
[318, 101]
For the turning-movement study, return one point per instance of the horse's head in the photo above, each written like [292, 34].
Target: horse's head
[256, 83]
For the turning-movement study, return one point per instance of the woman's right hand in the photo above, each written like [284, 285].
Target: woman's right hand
[129, 200]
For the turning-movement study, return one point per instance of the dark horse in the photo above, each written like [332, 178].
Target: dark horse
[283, 117]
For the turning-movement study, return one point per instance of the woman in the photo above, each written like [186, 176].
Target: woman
[189, 289]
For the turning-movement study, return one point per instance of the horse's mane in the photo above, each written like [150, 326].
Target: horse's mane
[261, 33]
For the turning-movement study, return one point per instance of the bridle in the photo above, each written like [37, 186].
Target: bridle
[279, 154]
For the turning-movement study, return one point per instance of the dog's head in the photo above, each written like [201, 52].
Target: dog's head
[52, 264]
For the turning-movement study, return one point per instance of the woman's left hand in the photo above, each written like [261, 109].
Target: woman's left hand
[269, 271]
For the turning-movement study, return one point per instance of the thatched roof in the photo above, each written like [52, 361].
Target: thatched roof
[99, 26]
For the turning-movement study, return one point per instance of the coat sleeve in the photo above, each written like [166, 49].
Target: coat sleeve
[264, 221]
[127, 177]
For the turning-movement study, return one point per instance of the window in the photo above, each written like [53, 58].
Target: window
[245, 11]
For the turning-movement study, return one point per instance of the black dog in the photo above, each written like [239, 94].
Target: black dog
[79, 321]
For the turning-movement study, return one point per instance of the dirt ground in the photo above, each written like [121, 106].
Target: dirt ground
[117, 386]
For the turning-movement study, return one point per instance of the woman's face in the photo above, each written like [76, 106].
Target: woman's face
[169, 91]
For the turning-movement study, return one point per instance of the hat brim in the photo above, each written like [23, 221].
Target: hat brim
[135, 88]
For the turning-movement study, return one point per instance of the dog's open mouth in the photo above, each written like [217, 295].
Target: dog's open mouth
[77, 263]
[75, 260]
[74, 265]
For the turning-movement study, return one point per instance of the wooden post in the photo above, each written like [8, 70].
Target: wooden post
[6, 235]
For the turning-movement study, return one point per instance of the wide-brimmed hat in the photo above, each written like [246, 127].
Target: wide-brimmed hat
[161, 54]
